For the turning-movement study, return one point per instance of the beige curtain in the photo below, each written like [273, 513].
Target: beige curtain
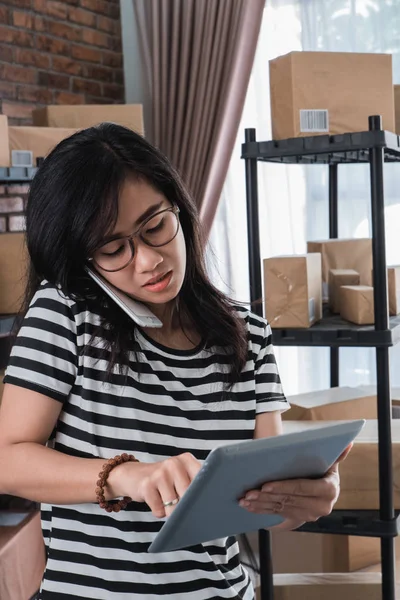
[197, 57]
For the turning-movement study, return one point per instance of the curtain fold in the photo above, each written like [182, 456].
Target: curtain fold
[197, 57]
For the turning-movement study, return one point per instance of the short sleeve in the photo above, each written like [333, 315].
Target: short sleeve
[269, 392]
[44, 355]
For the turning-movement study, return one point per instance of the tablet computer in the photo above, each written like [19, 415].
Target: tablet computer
[209, 508]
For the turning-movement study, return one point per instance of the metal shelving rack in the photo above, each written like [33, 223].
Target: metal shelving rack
[375, 147]
[11, 175]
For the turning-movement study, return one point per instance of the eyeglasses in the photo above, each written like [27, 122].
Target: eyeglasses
[158, 230]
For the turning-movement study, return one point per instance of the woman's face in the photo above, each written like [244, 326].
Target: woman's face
[141, 278]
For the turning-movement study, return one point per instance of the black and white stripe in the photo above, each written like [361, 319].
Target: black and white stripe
[171, 403]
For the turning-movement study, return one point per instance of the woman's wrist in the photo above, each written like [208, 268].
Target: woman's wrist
[116, 485]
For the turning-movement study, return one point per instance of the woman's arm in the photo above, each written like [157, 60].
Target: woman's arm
[31, 470]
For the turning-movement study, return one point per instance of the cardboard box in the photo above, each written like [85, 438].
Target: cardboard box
[302, 552]
[39, 140]
[396, 89]
[337, 278]
[337, 403]
[22, 555]
[353, 254]
[314, 93]
[4, 142]
[13, 271]
[357, 304]
[359, 481]
[394, 290]
[332, 586]
[87, 115]
[293, 290]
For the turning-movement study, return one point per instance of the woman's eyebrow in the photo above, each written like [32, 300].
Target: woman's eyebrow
[147, 213]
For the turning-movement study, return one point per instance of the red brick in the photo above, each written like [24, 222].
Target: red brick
[114, 43]
[16, 223]
[7, 91]
[52, 45]
[86, 54]
[2, 189]
[6, 54]
[84, 86]
[107, 24]
[66, 65]
[95, 38]
[16, 37]
[17, 189]
[113, 11]
[51, 80]
[114, 91]
[58, 10]
[40, 24]
[32, 57]
[18, 3]
[35, 94]
[3, 224]
[99, 73]
[68, 98]
[11, 204]
[22, 19]
[98, 6]
[112, 59]
[67, 32]
[18, 111]
[83, 17]
[18, 74]
[4, 15]
[119, 76]
[97, 100]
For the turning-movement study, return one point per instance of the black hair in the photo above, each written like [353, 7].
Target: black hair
[73, 204]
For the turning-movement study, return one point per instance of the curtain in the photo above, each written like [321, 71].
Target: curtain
[197, 57]
[293, 200]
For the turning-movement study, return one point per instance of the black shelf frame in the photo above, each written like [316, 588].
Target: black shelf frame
[375, 147]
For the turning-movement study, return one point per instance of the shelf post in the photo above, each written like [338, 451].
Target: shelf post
[333, 234]
[376, 158]
[253, 242]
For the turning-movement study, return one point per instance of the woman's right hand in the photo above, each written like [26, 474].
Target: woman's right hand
[155, 483]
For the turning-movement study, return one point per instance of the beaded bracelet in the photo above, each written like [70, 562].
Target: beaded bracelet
[101, 482]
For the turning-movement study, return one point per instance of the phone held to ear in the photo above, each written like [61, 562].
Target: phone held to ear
[138, 312]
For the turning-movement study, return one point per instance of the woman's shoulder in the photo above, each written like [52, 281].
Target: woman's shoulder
[51, 297]
[252, 320]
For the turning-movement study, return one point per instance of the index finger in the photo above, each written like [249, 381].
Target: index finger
[296, 487]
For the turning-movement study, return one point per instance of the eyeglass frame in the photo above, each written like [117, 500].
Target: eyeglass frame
[174, 209]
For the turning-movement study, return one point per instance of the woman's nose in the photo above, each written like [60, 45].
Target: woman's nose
[146, 258]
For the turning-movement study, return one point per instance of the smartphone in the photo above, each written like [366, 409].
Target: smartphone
[138, 312]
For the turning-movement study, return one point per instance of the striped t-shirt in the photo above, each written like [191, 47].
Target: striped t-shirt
[169, 402]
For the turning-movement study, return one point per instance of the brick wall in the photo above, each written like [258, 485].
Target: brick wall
[12, 205]
[58, 52]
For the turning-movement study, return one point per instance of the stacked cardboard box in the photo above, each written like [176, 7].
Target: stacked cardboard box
[314, 93]
[293, 290]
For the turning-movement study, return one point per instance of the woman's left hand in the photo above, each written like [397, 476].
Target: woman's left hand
[297, 500]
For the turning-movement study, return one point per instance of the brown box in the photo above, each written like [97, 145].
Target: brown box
[293, 290]
[87, 115]
[4, 142]
[337, 403]
[337, 91]
[40, 140]
[337, 278]
[357, 304]
[22, 556]
[394, 290]
[13, 271]
[359, 474]
[397, 108]
[353, 254]
[331, 586]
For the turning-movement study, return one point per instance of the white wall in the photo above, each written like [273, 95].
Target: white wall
[136, 89]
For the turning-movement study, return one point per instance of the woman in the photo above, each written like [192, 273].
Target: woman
[84, 384]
